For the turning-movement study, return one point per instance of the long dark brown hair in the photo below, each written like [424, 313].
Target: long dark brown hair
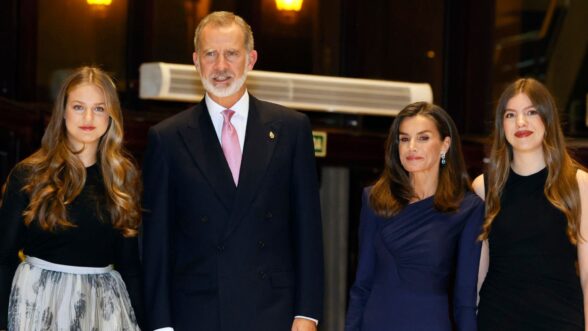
[393, 190]
[56, 176]
[561, 187]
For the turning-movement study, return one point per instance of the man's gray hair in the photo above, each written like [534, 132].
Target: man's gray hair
[223, 19]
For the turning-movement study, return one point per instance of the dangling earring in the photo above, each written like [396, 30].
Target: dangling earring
[443, 161]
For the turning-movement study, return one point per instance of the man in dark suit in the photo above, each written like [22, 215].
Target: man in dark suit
[232, 236]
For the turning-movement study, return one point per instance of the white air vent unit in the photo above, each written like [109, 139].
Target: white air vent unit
[181, 82]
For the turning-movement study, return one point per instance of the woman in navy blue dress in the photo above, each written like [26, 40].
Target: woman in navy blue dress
[418, 230]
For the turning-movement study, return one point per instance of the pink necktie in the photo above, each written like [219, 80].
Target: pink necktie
[230, 144]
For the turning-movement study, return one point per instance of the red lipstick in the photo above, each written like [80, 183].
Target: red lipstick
[523, 133]
[87, 128]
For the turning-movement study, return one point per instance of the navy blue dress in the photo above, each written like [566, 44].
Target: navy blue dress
[408, 263]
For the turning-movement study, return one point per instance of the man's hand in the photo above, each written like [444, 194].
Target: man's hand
[301, 324]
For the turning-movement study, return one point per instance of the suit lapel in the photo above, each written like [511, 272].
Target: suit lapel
[262, 135]
[202, 143]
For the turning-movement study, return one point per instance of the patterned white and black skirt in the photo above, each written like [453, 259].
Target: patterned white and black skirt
[49, 296]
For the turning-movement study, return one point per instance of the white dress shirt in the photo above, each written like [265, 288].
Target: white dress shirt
[239, 119]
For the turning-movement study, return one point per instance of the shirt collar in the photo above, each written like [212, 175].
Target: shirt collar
[241, 107]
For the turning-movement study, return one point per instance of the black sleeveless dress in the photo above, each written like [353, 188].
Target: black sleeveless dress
[532, 283]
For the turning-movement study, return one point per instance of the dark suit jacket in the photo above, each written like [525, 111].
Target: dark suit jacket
[220, 257]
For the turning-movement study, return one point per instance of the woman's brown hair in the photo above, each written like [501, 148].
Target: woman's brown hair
[56, 176]
[393, 190]
[561, 187]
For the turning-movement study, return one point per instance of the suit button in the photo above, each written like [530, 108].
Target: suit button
[262, 275]
[220, 248]
[261, 244]
[268, 215]
[204, 219]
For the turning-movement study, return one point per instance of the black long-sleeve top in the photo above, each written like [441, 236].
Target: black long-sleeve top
[93, 242]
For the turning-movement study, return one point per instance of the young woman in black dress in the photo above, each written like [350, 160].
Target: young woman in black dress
[535, 251]
[72, 208]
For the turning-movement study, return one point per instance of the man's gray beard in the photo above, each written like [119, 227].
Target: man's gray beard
[224, 92]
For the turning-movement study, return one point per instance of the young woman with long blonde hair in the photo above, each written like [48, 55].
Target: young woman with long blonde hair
[72, 208]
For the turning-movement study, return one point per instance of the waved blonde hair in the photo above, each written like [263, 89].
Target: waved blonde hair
[561, 187]
[56, 176]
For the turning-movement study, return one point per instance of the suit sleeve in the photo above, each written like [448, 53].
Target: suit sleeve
[12, 231]
[307, 227]
[156, 235]
[466, 278]
[362, 287]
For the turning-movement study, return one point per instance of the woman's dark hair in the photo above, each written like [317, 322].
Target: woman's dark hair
[393, 190]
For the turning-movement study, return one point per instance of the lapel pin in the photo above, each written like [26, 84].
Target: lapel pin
[272, 135]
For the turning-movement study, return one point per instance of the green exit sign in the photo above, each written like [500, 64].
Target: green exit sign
[320, 143]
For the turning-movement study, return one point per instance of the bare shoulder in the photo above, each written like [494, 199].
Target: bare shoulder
[582, 178]
[478, 186]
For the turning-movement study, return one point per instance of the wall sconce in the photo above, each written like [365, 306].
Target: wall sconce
[99, 7]
[99, 2]
[289, 5]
